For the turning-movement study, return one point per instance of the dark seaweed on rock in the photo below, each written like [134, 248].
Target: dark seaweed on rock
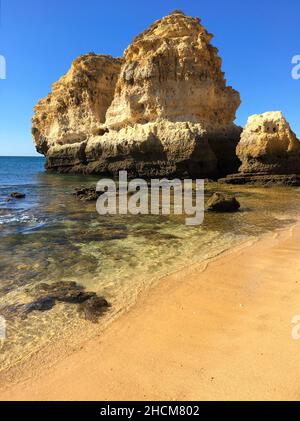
[91, 306]
[68, 292]
[21, 311]
[87, 194]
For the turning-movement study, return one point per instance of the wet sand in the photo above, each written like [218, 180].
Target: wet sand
[219, 331]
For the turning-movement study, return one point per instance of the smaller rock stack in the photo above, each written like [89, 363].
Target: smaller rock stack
[269, 151]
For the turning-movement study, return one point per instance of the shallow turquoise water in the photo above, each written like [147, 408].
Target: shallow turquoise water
[52, 236]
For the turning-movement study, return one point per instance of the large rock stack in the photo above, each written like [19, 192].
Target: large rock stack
[166, 110]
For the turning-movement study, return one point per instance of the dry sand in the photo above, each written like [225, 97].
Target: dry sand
[219, 333]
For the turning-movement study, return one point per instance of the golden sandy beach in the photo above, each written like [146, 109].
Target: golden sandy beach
[219, 332]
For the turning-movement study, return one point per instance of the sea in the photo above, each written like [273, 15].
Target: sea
[51, 236]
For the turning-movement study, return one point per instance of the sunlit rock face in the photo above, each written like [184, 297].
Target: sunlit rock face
[75, 110]
[269, 152]
[172, 72]
[165, 110]
[269, 145]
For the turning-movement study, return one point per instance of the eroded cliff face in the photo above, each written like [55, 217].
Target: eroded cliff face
[171, 71]
[166, 110]
[75, 110]
[269, 151]
[153, 149]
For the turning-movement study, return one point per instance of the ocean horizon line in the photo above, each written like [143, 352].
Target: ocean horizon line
[21, 156]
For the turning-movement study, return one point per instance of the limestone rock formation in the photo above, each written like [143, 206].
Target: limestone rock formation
[153, 149]
[269, 151]
[167, 110]
[172, 72]
[75, 110]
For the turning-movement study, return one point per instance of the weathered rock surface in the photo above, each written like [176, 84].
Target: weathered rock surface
[166, 111]
[220, 202]
[75, 110]
[269, 152]
[172, 72]
[268, 145]
[153, 149]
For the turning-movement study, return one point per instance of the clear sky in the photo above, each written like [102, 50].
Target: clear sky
[39, 39]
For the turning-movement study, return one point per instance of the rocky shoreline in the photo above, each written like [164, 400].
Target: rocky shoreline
[262, 179]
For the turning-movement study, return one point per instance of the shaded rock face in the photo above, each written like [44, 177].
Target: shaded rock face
[268, 145]
[165, 111]
[269, 152]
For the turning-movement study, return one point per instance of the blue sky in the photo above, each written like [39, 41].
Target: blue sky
[39, 39]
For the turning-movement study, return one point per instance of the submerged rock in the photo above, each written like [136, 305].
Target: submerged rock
[42, 304]
[163, 110]
[90, 306]
[87, 194]
[68, 292]
[221, 202]
[17, 195]
[93, 308]
[12, 311]
[21, 311]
